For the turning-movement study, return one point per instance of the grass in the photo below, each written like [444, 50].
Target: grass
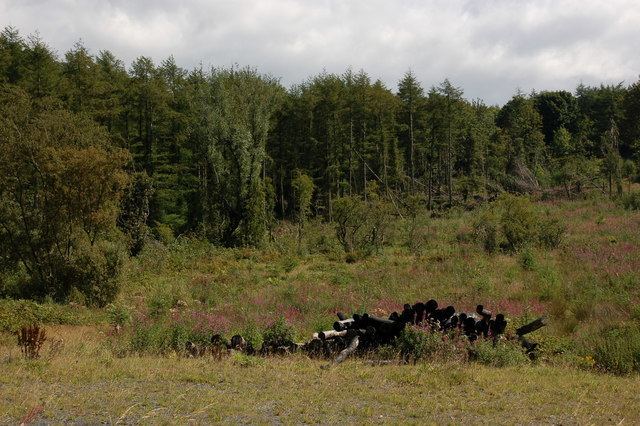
[86, 382]
[587, 286]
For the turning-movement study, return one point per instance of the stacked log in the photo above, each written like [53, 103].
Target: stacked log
[370, 331]
[364, 331]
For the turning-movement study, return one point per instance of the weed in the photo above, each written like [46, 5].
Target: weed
[617, 349]
[503, 354]
[30, 340]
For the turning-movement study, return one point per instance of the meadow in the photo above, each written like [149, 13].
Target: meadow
[125, 363]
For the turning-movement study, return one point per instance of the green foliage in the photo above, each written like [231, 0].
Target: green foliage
[278, 334]
[134, 211]
[617, 349]
[15, 314]
[527, 260]
[550, 232]
[118, 314]
[631, 200]
[416, 344]
[513, 223]
[503, 354]
[361, 226]
[60, 184]
[165, 334]
[238, 105]
[302, 186]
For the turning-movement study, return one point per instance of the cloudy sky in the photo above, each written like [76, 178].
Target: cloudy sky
[490, 48]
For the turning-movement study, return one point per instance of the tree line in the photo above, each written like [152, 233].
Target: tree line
[105, 149]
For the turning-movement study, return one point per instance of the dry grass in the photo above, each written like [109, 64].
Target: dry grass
[84, 382]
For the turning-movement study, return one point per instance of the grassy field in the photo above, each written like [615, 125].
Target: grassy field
[589, 287]
[84, 381]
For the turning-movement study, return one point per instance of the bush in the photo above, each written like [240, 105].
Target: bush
[415, 344]
[61, 180]
[167, 334]
[134, 211]
[519, 222]
[278, 334]
[550, 233]
[118, 314]
[527, 260]
[15, 314]
[361, 226]
[504, 354]
[631, 200]
[513, 223]
[617, 349]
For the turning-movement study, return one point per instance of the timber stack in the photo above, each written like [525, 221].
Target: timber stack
[365, 332]
[362, 332]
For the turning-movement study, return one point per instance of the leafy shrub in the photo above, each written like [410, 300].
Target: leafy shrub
[512, 223]
[61, 180]
[617, 349]
[166, 334]
[15, 314]
[519, 222]
[503, 354]
[550, 233]
[278, 334]
[631, 200]
[118, 314]
[527, 260]
[134, 211]
[252, 335]
[361, 226]
[416, 344]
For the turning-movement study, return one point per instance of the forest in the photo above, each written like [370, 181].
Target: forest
[99, 157]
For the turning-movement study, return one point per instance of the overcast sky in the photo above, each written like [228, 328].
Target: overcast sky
[490, 48]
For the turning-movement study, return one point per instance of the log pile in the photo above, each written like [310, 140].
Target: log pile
[364, 331]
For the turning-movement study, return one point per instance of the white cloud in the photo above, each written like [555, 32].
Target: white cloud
[489, 48]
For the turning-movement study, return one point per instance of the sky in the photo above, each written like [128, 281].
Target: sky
[489, 48]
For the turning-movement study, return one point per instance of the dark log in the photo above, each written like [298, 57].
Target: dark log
[469, 326]
[383, 326]
[498, 326]
[419, 309]
[484, 313]
[408, 315]
[430, 307]
[314, 347]
[528, 345]
[532, 326]
[461, 319]
[237, 342]
[482, 327]
[218, 340]
[341, 316]
[444, 314]
[450, 323]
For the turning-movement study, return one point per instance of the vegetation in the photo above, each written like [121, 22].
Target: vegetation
[142, 208]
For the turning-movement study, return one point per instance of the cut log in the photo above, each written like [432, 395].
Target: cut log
[332, 334]
[341, 316]
[343, 324]
[532, 326]
[348, 350]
